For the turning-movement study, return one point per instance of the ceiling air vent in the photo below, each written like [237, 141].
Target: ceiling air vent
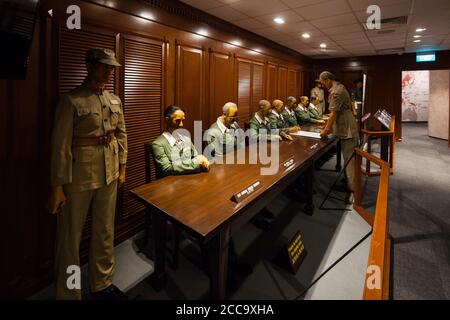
[395, 20]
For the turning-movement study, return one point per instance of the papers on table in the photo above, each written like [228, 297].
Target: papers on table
[309, 134]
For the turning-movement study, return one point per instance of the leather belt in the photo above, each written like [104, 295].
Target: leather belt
[94, 141]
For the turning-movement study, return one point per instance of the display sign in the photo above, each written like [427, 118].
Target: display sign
[288, 163]
[296, 251]
[384, 118]
[241, 195]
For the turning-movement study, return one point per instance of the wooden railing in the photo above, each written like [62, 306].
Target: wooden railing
[376, 285]
[368, 135]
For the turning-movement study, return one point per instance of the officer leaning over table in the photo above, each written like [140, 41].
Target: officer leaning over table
[342, 123]
[88, 160]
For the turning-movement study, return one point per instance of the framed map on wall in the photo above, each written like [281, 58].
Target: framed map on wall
[415, 95]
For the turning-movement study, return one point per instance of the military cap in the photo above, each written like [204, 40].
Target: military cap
[105, 56]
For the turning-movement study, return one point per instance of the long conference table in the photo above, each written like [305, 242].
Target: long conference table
[203, 206]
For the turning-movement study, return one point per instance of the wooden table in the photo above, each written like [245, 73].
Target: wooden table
[201, 204]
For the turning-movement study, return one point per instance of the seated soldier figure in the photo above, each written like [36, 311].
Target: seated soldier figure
[260, 123]
[277, 121]
[314, 110]
[224, 135]
[174, 152]
[289, 113]
[302, 113]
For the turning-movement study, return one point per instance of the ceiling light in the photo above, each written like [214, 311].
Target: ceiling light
[323, 45]
[421, 29]
[306, 35]
[203, 32]
[236, 43]
[278, 20]
[417, 36]
[147, 15]
[416, 41]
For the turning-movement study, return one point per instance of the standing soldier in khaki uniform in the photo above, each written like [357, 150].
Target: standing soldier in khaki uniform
[342, 122]
[317, 91]
[88, 157]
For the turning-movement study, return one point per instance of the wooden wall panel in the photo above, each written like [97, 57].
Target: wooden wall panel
[244, 91]
[190, 84]
[143, 65]
[282, 83]
[257, 86]
[220, 85]
[292, 83]
[272, 82]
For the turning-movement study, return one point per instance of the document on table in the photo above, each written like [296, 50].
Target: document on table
[309, 134]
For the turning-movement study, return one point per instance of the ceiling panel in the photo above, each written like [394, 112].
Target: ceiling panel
[227, 13]
[255, 8]
[338, 23]
[324, 9]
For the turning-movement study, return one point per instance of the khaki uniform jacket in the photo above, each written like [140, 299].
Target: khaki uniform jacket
[83, 113]
[339, 100]
[179, 158]
[319, 93]
[290, 119]
[220, 143]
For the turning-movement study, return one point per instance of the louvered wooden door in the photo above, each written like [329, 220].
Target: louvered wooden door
[143, 61]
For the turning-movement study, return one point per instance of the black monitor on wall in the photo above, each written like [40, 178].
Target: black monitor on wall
[17, 20]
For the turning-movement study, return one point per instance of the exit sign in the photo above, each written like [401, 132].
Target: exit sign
[425, 57]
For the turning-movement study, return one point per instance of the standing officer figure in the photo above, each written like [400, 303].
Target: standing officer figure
[342, 122]
[88, 160]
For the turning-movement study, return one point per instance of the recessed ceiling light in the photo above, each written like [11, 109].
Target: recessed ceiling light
[417, 36]
[323, 45]
[147, 15]
[306, 35]
[417, 40]
[236, 43]
[421, 29]
[203, 32]
[278, 20]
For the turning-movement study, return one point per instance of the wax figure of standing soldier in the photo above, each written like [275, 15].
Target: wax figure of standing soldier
[342, 122]
[88, 160]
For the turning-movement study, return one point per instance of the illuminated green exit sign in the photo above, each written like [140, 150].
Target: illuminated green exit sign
[425, 57]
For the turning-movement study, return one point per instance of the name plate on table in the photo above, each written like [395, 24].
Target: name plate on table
[241, 195]
[296, 251]
[288, 163]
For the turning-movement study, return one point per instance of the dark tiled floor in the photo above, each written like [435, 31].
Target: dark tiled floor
[420, 216]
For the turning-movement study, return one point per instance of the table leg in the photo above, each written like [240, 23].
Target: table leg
[338, 157]
[309, 178]
[217, 251]
[158, 278]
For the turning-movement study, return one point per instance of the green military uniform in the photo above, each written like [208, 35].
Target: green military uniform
[302, 114]
[277, 121]
[222, 140]
[175, 154]
[314, 112]
[290, 117]
[344, 126]
[319, 93]
[257, 125]
[88, 174]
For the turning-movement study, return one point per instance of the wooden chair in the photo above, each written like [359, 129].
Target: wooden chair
[153, 172]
